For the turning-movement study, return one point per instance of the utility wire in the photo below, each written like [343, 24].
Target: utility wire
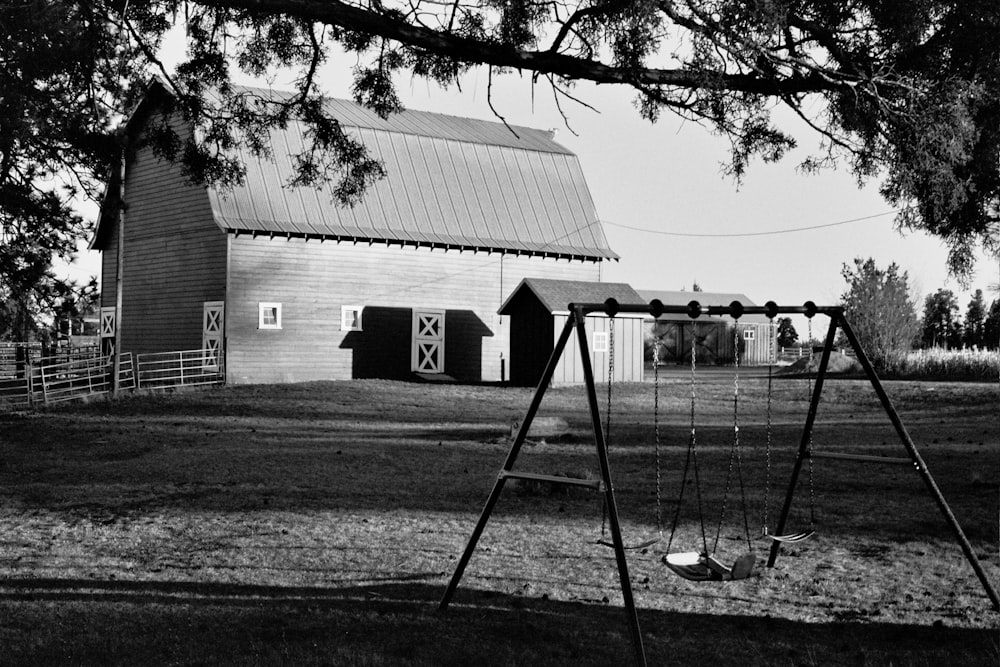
[743, 234]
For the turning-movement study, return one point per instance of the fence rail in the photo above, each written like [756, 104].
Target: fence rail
[46, 382]
[85, 377]
[189, 368]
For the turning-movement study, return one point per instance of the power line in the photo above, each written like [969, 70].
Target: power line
[743, 234]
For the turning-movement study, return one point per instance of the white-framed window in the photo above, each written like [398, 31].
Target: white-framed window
[268, 315]
[600, 341]
[749, 334]
[350, 318]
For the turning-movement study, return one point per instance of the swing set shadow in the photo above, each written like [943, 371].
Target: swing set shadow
[577, 321]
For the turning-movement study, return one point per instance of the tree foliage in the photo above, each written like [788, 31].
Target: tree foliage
[991, 326]
[878, 305]
[905, 91]
[787, 335]
[941, 326]
[973, 329]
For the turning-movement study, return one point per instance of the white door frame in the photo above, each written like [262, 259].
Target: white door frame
[427, 349]
[212, 332]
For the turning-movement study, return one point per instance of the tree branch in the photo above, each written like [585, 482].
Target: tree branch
[463, 49]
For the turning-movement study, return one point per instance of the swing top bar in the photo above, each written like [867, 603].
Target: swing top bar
[694, 309]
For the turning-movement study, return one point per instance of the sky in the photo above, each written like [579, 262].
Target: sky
[658, 186]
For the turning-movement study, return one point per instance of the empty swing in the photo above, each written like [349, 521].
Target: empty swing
[771, 309]
[603, 541]
[704, 565]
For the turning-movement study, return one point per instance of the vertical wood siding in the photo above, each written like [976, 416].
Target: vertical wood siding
[313, 279]
[175, 259]
[628, 346]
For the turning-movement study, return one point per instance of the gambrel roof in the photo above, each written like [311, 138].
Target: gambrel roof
[451, 182]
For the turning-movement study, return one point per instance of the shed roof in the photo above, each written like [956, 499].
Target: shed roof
[556, 295]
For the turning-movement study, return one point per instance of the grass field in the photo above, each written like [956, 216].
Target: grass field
[319, 524]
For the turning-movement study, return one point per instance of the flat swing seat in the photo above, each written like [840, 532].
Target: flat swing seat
[792, 537]
[695, 566]
[630, 547]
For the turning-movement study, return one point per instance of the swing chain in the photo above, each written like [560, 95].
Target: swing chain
[812, 492]
[607, 413]
[765, 530]
[656, 433]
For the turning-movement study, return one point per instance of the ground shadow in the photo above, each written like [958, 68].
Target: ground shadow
[397, 622]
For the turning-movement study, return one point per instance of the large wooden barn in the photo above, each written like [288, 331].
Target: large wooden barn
[294, 287]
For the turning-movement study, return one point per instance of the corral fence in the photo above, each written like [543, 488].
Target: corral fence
[791, 354]
[46, 382]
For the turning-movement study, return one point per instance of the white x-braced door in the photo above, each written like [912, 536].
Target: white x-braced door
[428, 341]
[213, 318]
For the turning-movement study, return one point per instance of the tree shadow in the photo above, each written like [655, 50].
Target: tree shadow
[53, 621]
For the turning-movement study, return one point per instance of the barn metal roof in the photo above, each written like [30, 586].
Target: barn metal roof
[556, 295]
[451, 182]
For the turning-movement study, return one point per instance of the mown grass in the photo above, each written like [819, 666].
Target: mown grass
[319, 524]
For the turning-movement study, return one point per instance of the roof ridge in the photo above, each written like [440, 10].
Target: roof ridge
[537, 139]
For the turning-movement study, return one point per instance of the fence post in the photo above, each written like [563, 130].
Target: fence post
[45, 390]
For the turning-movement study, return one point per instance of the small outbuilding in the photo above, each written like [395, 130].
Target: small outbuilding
[538, 309]
[713, 337]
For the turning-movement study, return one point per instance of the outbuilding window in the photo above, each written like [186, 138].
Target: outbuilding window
[600, 341]
[749, 334]
[269, 316]
[350, 318]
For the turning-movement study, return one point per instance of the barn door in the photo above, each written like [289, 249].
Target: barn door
[213, 316]
[428, 341]
[107, 331]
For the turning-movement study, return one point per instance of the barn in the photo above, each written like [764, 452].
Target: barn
[288, 286]
[538, 310]
[714, 336]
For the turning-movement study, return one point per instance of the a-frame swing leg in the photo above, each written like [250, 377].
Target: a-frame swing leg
[904, 437]
[577, 320]
[921, 467]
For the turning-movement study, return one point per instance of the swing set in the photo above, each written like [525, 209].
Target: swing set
[704, 565]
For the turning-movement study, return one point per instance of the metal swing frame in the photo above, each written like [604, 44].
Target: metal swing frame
[577, 320]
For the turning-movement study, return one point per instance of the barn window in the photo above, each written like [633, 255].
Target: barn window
[268, 315]
[350, 318]
[600, 341]
[749, 334]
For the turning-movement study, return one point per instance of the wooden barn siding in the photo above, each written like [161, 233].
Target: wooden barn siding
[313, 279]
[175, 259]
[628, 351]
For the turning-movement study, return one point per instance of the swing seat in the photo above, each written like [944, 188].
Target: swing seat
[791, 538]
[691, 565]
[695, 566]
[631, 547]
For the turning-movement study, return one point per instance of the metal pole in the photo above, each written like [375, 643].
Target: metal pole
[921, 467]
[806, 436]
[508, 465]
[609, 493]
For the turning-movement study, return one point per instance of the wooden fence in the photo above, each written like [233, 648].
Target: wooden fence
[48, 383]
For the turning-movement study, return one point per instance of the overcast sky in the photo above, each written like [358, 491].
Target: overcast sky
[654, 183]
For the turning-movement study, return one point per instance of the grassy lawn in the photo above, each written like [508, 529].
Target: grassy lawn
[320, 523]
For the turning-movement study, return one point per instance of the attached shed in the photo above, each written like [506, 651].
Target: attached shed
[294, 287]
[538, 309]
[715, 337]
